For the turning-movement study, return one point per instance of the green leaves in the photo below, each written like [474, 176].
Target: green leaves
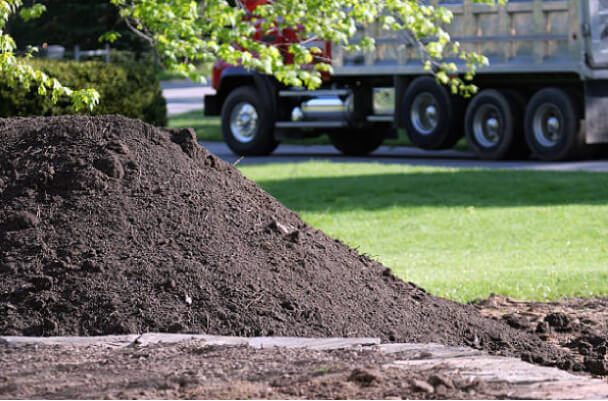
[186, 33]
[109, 37]
[17, 73]
[33, 12]
[85, 99]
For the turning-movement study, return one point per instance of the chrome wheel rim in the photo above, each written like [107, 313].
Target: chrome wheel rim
[244, 122]
[487, 126]
[548, 125]
[425, 113]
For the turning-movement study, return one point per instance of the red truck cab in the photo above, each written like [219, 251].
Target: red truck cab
[258, 112]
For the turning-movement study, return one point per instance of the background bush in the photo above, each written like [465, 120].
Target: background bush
[128, 88]
[74, 22]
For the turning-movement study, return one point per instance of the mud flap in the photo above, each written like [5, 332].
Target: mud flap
[596, 112]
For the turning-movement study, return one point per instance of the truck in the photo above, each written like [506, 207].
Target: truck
[544, 93]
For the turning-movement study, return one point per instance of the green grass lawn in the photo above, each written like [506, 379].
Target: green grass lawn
[461, 234]
[207, 128]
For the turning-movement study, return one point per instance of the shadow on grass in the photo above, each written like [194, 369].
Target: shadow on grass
[464, 188]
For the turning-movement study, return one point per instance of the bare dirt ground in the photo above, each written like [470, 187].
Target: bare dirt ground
[196, 370]
[577, 325]
[199, 370]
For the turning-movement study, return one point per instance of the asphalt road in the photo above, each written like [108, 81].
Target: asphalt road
[400, 155]
[185, 96]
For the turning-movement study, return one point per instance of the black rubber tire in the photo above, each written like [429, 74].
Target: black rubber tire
[521, 150]
[450, 111]
[263, 141]
[357, 142]
[510, 119]
[571, 145]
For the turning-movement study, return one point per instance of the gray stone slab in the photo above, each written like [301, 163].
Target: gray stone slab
[311, 343]
[527, 381]
[582, 389]
[428, 351]
[493, 368]
[155, 338]
[110, 341]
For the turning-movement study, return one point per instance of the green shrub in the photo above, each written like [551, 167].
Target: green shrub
[129, 89]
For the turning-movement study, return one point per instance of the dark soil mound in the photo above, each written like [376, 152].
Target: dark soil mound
[109, 225]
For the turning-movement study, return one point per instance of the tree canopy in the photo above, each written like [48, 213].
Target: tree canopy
[187, 32]
[73, 22]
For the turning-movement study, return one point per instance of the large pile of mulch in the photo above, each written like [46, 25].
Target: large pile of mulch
[109, 225]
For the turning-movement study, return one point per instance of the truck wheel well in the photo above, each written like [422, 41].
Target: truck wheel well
[227, 85]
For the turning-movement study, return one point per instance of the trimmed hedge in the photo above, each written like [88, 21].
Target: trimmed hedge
[129, 89]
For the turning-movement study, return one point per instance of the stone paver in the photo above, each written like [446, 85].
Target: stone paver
[527, 381]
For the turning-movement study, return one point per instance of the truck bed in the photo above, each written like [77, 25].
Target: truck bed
[525, 36]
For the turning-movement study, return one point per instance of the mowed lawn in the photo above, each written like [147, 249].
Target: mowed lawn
[206, 128]
[461, 234]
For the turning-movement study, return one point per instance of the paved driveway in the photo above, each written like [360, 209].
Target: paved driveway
[400, 155]
[184, 96]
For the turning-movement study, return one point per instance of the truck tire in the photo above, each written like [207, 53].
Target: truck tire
[247, 123]
[432, 117]
[494, 126]
[552, 126]
[357, 141]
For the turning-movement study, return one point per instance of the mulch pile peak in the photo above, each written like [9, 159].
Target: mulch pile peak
[109, 225]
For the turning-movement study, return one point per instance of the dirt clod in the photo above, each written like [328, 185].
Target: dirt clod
[441, 380]
[576, 325]
[516, 321]
[20, 220]
[559, 321]
[41, 283]
[543, 327]
[91, 267]
[110, 165]
[596, 366]
[363, 377]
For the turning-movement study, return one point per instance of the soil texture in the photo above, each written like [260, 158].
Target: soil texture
[578, 326]
[109, 226]
[199, 371]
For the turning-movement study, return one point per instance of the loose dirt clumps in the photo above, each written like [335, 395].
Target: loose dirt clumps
[577, 325]
[109, 225]
[200, 371]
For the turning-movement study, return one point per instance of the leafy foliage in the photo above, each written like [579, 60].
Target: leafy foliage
[130, 89]
[187, 32]
[72, 22]
[16, 73]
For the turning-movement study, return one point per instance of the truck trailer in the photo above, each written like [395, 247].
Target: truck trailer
[544, 93]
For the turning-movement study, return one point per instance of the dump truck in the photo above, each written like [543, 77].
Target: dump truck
[544, 93]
